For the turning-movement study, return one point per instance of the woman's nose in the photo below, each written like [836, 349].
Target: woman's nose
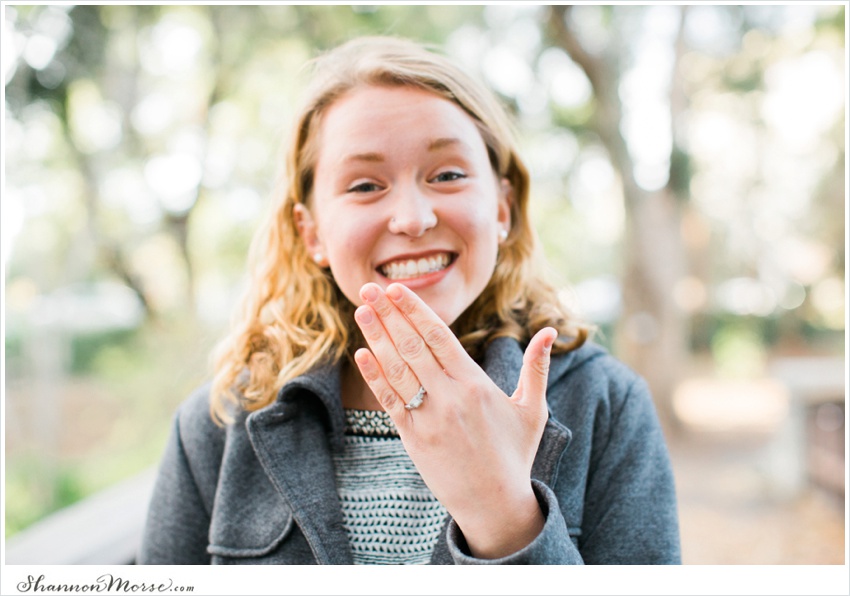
[413, 215]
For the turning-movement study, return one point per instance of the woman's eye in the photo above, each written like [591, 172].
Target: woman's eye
[364, 187]
[449, 176]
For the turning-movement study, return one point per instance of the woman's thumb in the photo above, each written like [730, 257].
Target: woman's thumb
[535, 366]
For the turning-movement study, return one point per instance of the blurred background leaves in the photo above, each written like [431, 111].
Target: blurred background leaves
[688, 169]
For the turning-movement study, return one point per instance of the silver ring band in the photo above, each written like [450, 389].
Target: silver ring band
[416, 400]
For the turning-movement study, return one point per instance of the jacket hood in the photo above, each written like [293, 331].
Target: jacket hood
[503, 362]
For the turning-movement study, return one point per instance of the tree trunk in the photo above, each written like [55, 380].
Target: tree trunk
[652, 335]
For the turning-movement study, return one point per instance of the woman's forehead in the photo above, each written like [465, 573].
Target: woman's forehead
[365, 120]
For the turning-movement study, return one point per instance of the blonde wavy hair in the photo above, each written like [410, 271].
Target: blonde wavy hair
[294, 316]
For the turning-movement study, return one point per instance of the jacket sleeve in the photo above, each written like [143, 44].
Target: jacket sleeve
[551, 547]
[177, 525]
[630, 513]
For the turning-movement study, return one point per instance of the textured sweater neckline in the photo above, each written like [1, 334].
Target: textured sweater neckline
[369, 423]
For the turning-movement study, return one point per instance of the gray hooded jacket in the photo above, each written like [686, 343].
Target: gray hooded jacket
[262, 490]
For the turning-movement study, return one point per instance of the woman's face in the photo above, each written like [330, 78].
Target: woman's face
[404, 192]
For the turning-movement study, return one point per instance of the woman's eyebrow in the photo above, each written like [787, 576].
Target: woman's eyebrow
[437, 144]
[370, 157]
[374, 157]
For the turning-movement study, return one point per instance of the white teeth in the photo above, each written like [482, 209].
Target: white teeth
[415, 267]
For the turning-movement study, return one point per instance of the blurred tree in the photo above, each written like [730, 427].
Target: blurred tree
[741, 106]
[653, 336]
[73, 42]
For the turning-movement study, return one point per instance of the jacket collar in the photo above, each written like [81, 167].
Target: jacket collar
[324, 382]
[291, 438]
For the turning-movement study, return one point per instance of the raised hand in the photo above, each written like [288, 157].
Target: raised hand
[473, 444]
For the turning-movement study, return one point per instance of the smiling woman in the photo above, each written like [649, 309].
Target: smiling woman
[401, 385]
[404, 190]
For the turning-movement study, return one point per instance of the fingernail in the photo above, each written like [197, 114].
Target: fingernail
[361, 356]
[370, 294]
[364, 315]
[394, 293]
[547, 344]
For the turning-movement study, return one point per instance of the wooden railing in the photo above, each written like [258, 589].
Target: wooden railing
[103, 529]
[809, 447]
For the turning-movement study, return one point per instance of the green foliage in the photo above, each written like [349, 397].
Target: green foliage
[27, 501]
[574, 118]
[13, 347]
[681, 172]
[88, 350]
[114, 420]
[739, 351]
[832, 21]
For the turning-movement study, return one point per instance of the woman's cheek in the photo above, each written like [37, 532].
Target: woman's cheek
[351, 236]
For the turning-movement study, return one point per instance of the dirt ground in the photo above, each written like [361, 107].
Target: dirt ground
[730, 515]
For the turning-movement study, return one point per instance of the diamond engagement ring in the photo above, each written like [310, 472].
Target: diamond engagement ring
[416, 400]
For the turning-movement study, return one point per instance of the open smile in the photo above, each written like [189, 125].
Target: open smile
[411, 268]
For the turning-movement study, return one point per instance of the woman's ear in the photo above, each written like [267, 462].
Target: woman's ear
[506, 201]
[309, 233]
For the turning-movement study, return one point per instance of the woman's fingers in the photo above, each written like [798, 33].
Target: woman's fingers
[394, 371]
[437, 336]
[410, 346]
[388, 397]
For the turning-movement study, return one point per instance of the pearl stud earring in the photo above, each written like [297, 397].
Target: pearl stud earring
[318, 257]
[503, 235]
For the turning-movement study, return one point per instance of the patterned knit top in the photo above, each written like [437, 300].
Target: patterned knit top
[389, 513]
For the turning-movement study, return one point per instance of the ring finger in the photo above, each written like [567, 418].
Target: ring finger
[395, 370]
